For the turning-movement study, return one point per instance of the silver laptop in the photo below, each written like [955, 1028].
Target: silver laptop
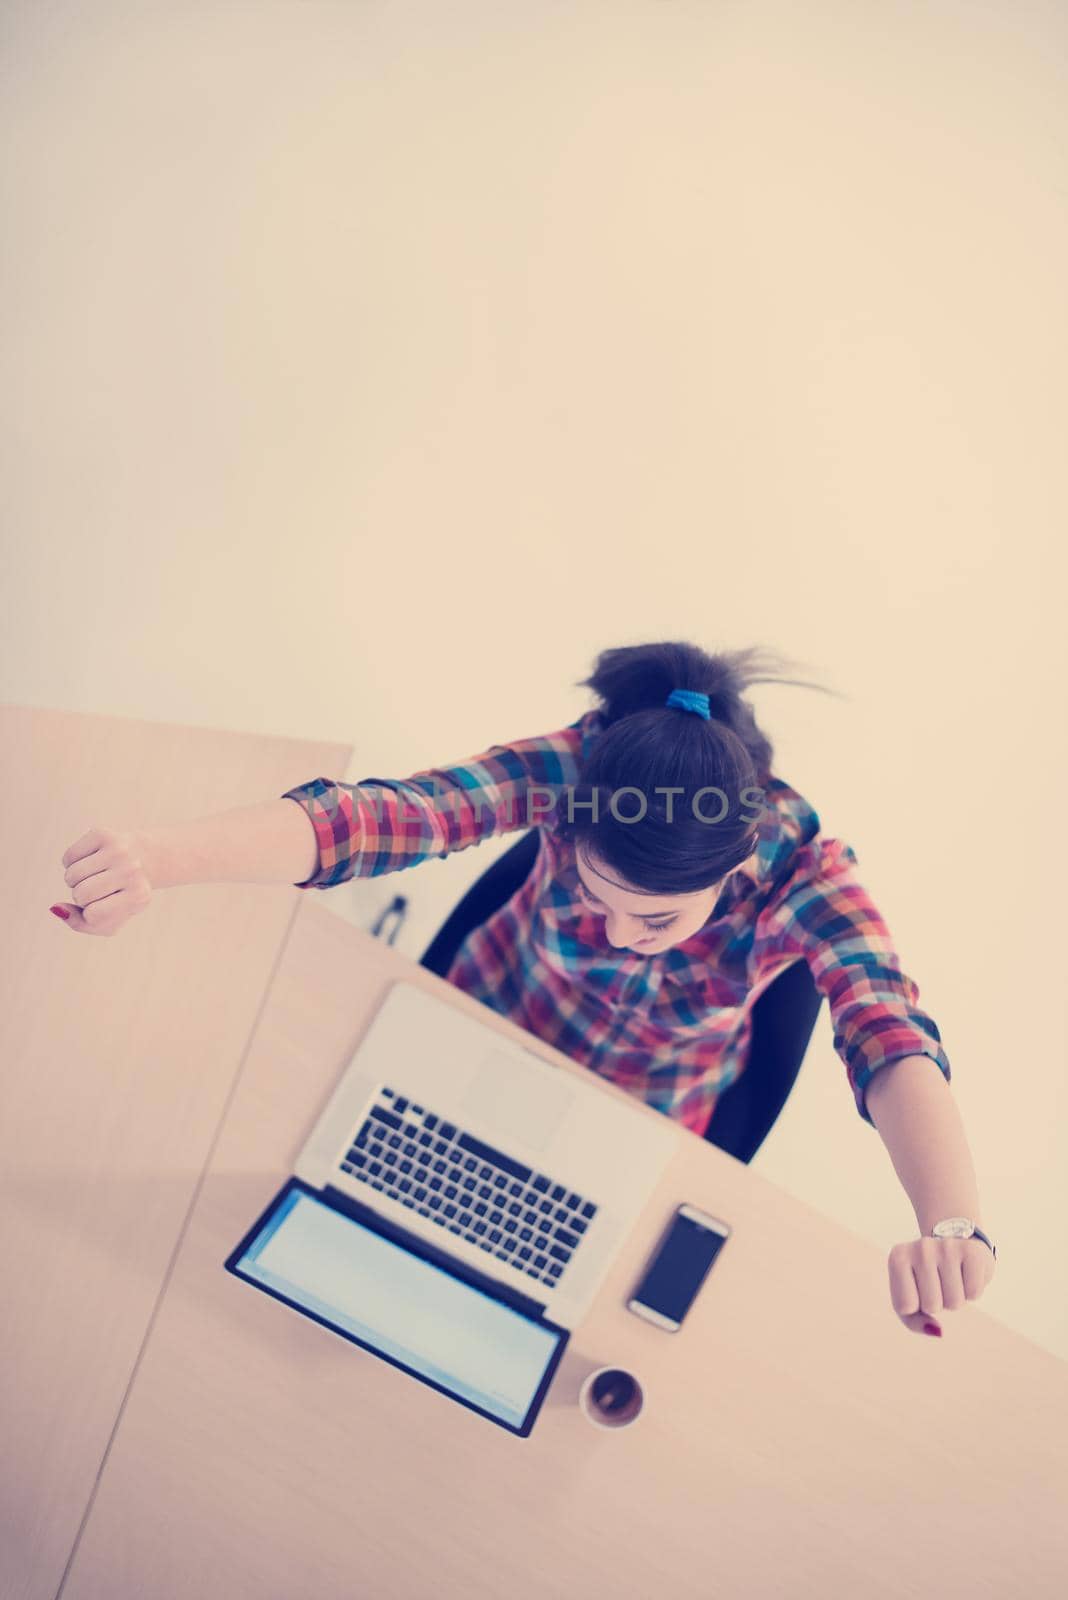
[457, 1205]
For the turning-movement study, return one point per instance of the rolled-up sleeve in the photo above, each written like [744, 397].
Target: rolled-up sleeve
[827, 916]
[382, 825]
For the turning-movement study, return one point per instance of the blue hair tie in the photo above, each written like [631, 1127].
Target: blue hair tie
[689, 700]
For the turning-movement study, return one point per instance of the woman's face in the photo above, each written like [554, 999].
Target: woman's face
[638, 921]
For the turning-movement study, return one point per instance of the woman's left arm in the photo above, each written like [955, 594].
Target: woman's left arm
[916, 1116]
[897, 1067]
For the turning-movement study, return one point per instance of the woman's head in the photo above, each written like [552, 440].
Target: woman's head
[668, 804]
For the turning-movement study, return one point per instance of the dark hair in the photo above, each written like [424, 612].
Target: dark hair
[644, 744]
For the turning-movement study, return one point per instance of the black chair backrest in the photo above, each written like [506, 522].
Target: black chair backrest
[782, 1020]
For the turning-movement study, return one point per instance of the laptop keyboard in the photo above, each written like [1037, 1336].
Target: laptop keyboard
[509, 1210]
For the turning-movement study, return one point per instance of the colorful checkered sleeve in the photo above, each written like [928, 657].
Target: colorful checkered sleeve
[383, 825]
[830, 919]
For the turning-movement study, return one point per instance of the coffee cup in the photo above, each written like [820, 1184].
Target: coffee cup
[611, 1397]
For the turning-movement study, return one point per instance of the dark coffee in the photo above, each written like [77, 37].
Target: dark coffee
[613, 1390]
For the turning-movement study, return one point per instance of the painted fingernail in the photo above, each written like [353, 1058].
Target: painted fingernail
[930, 1327]
[61, 911]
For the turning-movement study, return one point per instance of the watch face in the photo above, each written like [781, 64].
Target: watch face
[953, 1228]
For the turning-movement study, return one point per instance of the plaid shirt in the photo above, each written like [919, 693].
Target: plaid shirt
[672, 1028]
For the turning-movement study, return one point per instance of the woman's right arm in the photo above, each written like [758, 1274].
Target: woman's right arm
[324, 832]
[111, 874]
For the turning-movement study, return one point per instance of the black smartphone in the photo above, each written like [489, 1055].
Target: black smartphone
[680, 1265]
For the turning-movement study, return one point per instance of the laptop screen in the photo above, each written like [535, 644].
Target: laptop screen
[439, 1328]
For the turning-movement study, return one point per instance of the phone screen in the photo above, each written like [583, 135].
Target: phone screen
[679, 1267]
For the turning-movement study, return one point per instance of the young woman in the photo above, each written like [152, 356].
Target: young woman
[676, 876]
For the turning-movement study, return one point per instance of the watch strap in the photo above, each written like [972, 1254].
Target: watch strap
[977, 1233]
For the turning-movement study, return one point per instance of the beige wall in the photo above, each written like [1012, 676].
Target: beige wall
[369, 368]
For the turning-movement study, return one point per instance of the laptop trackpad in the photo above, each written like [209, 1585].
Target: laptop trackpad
[525, 1103]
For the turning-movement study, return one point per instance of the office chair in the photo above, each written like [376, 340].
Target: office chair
[783, 1017]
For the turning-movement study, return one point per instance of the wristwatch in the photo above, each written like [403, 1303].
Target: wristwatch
[960, 1228]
